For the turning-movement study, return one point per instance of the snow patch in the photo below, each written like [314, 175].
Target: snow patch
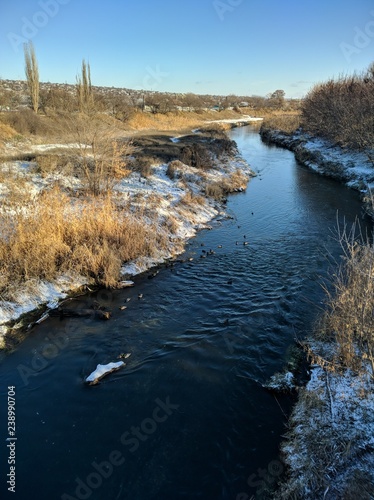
[102, 370]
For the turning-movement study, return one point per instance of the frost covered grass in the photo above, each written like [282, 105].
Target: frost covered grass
[330, 447]
[349, 321]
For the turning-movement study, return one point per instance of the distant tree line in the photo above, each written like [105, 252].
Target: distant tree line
[84, 97]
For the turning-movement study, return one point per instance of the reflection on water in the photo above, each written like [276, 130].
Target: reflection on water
[204, 337]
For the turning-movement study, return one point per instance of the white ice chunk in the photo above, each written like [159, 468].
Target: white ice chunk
[102, 370]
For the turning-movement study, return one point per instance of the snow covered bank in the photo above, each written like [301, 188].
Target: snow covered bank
[330, 448]
[176, 203]
[352, 168]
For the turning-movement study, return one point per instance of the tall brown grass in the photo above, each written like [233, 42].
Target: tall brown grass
[349, 320]
[286, 123]
[6, 133]
[91, 237]
[176, 120]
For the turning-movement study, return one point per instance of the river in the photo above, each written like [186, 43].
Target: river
[187, 418]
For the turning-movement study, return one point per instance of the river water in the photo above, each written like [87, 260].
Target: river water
[187, 417]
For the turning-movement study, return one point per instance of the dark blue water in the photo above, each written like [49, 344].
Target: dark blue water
[187, 417]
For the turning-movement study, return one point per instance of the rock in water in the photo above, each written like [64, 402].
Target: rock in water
[281, 382]
[102, 370]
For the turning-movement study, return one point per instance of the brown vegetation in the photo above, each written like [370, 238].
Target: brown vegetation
[91, 237]
[342, 110]
[32, 75]
[348, 321]
[285, 123]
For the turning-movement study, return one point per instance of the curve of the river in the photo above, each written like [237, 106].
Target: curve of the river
[187, 418]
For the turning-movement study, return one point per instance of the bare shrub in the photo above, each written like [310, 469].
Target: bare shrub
[142, 165]
[342, 110]
[173, 170]
[102, 158]
[6, 132]
[55, 100]
[349, 319]
[25, 122]
[196, 155]
[190, 198]
[214, 190]
[47, 164]
[122, 109]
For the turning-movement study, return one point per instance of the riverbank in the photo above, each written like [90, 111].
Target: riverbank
[164, 199]
[352, 168]
[329, 449]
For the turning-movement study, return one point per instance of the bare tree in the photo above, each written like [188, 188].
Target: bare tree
[32, 75]
[276, 99]
[84, 88]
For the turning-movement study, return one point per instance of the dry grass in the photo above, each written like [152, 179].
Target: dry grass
[236, 181]
[142, 164]
[349, 319]
[174, 169]
[191, 198]
[287, 123]
[175, 121]
[214, 190]
[6, 133]
[91, 237]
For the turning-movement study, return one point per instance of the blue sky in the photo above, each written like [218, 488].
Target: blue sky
[243, 47]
